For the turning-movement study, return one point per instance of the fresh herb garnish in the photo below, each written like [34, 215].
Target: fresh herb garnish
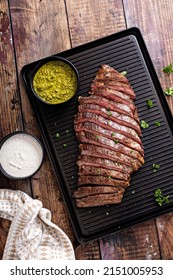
[169, 91]
[144, 124]
[124, 73]
[116, 141]
[157, 123]
[149, 103]
[112, 134]
[57, 135]
[156, 167]
[97, 137]
[109, 113]
[64, 145]
[168, 69]
[160, 199]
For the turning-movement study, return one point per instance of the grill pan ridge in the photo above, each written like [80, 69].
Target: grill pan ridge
[125, 51]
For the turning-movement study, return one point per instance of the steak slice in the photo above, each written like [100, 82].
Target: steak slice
[91, 138]
[88, 116]
[92, 170]
[110, 115]
[88, 149]
[109, 105]
[101, 180]
[125, 89]
[104, 163]
[107, 73]
[112, 95]
[93, 190]
[116, 138]
[99, 199]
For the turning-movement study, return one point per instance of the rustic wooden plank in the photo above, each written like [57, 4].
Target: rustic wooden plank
[135, 243]
[4, 227]
[88, 251]
[154, 19]
[40, 30]
[10, 113]
[165, 230]
[90, 20]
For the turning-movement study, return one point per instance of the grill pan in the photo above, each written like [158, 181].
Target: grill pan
[125, 51]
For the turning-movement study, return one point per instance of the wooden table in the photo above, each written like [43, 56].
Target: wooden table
[30, 30]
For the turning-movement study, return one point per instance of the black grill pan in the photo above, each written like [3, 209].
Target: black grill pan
[125, 51]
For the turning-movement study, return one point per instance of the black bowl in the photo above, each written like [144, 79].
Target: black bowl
[34, 169]
[61, 60]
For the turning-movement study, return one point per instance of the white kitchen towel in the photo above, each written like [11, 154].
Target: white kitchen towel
[32, 235]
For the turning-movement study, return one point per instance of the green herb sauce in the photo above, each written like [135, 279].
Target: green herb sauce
[55, 82]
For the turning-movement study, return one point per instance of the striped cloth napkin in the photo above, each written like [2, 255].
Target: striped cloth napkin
[32, 235]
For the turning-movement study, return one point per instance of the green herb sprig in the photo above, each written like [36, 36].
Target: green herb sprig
[168, 69]
[169, 91]
[144, 124]
[159, 198]
[124, 73]
[149, 103]
[157, 123]
[156, 167]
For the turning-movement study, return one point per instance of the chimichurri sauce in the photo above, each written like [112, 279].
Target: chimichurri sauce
[55, 82]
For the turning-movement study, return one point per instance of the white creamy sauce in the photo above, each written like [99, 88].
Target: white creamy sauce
[21, 155]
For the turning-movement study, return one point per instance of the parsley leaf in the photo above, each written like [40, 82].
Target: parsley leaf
[109, 113]
[159, 198]
[169, 91]
[156, 167]
[149, 103]
[144, 124]
[168, 69]
[124, 73]
[157, 123]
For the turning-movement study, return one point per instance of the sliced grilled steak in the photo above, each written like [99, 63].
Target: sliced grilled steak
[92, 190]
[106, 72]
[92, 170]
[87, 116]
[102, 180]
[110, 116]
[91, 149]
[99, 199]
[86, 137]
[109, 105]
[108, 129]
[106, 134]
[112, 95]
[104, 163]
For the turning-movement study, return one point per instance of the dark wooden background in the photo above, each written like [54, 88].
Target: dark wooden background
[33, 29]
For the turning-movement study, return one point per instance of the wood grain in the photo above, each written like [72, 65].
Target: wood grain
[157, 32]
[165, 231]
[135, 243]
[90, 20]
[4, 227]
[154, 19]
[10, 112]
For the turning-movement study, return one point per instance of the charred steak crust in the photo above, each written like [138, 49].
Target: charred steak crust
[108, 129]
